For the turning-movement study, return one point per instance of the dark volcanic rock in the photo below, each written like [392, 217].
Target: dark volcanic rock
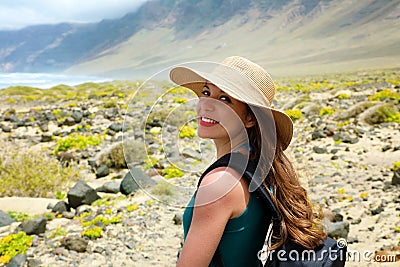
[81, 193]
[5, 219]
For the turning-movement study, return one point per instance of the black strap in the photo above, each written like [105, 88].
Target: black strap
[239, 163]
[246, 168]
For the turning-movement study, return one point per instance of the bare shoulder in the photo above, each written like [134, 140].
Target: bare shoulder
[218, 186]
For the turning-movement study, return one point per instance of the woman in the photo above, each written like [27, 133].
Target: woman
[224, 215]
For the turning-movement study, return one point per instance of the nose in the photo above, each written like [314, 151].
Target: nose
[206, 104]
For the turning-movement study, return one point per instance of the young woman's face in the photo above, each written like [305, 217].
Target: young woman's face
[221, 116]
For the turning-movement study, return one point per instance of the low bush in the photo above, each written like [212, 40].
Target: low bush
[294, 114]
[14, 244]
[29, 173]
[387, 113]
[385, 94]
[172, 172]
[19, 216]
[93, 233]
[187, 131]
[326, 111]
[163, 189]
[77, 141]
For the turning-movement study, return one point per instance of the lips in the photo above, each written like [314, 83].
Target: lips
[204, 121]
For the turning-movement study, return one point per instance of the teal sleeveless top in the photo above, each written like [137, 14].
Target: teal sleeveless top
[243, 236]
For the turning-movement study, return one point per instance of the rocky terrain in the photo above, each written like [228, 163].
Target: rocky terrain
[346, 150]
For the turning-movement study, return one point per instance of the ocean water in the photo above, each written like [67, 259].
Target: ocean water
[44, 80]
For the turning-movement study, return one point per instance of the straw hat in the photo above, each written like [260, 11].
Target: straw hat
[243, 80]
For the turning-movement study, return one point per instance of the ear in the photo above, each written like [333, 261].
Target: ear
[250, 121]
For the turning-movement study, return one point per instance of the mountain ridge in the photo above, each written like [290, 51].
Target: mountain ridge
[291, 36]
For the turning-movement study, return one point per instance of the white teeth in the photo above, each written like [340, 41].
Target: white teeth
[208, 120]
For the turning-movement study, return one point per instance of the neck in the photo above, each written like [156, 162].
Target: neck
[224, 147]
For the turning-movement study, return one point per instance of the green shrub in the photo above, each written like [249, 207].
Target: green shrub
[58, 232]
[113, 157]
[396, 165]
[187, 131]
[172, 172]
[343, 96]
[163, 189]
[29, 173]
[294, 114]
[385, 94]
[102, 219]
[150, 163]
[326, 111]
[110, 104]
[386, 113]
[11, 101]
[92, 233]
[132, 207]
[77, 141]
[19, 216]
[13, 245]
[61, 195]
[180, 100]
[21, 91]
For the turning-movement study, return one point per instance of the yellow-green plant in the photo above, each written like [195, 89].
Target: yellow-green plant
[77, 141]
[364, 195]
[387, 113]
[150, 163]
[326, 111]
[110, 104]
[178, 90]
[19, 216]
[396, 165]
[294, 114]
[385, 94]
[60, 195]
[102, 219]
[340, 124]
[180, 100]
[58, 232]
[30, 173]
[187, 131]
[343, 96]
[101, 202]
[132, 207]
[172, 172]
[92, 233]
[11, 101]
[14, 244]
[163, 189]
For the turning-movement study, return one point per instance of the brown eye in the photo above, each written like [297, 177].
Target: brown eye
[206, 91]
[226, 99]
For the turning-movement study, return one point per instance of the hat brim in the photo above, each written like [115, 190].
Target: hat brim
[239, 87]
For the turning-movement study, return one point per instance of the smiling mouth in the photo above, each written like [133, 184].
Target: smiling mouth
[208, 120]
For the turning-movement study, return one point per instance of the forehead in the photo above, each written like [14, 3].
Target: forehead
[213, 86]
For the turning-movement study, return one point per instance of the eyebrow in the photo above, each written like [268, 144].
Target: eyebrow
[206, 85]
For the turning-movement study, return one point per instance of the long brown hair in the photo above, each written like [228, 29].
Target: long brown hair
[298, 220]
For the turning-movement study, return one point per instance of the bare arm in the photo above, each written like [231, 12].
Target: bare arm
[216, 201]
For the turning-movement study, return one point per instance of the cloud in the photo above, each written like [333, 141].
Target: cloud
[20, 13]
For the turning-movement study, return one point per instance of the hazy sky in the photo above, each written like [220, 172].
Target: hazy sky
[20, 13]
